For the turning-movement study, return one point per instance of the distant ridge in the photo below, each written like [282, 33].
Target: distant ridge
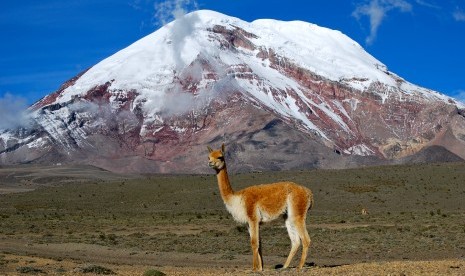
[432, 154]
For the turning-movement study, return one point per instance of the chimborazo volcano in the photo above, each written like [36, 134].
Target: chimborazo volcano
[280, 95]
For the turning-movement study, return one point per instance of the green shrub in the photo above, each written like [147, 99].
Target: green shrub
[154, 272]
[29, 269]
[95, 269]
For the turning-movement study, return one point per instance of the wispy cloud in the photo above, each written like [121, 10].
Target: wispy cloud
[376, 11]
[13, 111]
[444, 10]
[459, 95]
[163, 12]
[459, 15]
[428, 4]
[166, 11]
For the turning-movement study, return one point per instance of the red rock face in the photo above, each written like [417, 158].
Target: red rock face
[111, 129]
[371, 121]
[234, 38]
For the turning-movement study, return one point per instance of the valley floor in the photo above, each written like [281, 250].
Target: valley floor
[99, 223]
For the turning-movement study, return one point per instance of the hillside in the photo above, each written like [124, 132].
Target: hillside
[282, 95]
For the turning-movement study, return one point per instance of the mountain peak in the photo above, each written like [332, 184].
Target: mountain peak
[207, 15]
[175, 46]
[268, 84]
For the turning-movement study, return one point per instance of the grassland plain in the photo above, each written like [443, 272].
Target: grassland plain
[74, 216]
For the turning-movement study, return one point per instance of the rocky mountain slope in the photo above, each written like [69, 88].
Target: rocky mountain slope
[281, 95]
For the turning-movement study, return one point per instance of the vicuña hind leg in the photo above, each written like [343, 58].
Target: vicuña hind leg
[305, 238]
[295, 241]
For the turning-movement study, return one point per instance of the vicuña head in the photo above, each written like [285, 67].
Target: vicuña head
[216, 159]
[266, 202]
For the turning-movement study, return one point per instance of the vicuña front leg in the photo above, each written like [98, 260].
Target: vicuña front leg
[255, 243]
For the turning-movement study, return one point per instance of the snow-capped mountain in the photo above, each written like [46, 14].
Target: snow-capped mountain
[280, 94]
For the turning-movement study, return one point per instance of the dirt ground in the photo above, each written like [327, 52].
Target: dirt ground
[72, 267]
[85, 221]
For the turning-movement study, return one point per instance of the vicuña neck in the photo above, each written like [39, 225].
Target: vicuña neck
[223, 183]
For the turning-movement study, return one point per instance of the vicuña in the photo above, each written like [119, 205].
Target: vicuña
[266, 202]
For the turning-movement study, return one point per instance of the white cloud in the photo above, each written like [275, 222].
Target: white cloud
[459, 15]
[376, 11]
[13, 112]
[166, 11]
[428, 4]
[459, 95]
[162, 12]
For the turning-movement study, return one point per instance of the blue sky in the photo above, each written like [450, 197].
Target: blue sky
[44, 43]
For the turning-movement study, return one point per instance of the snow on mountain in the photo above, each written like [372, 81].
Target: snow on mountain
[202, 75]
[149, 65]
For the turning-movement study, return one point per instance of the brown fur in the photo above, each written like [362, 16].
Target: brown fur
[266, 202]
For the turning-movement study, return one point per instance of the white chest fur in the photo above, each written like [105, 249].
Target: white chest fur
[236, 208]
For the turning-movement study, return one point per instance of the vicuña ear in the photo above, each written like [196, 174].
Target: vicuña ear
[209, 149]
[222, 148]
